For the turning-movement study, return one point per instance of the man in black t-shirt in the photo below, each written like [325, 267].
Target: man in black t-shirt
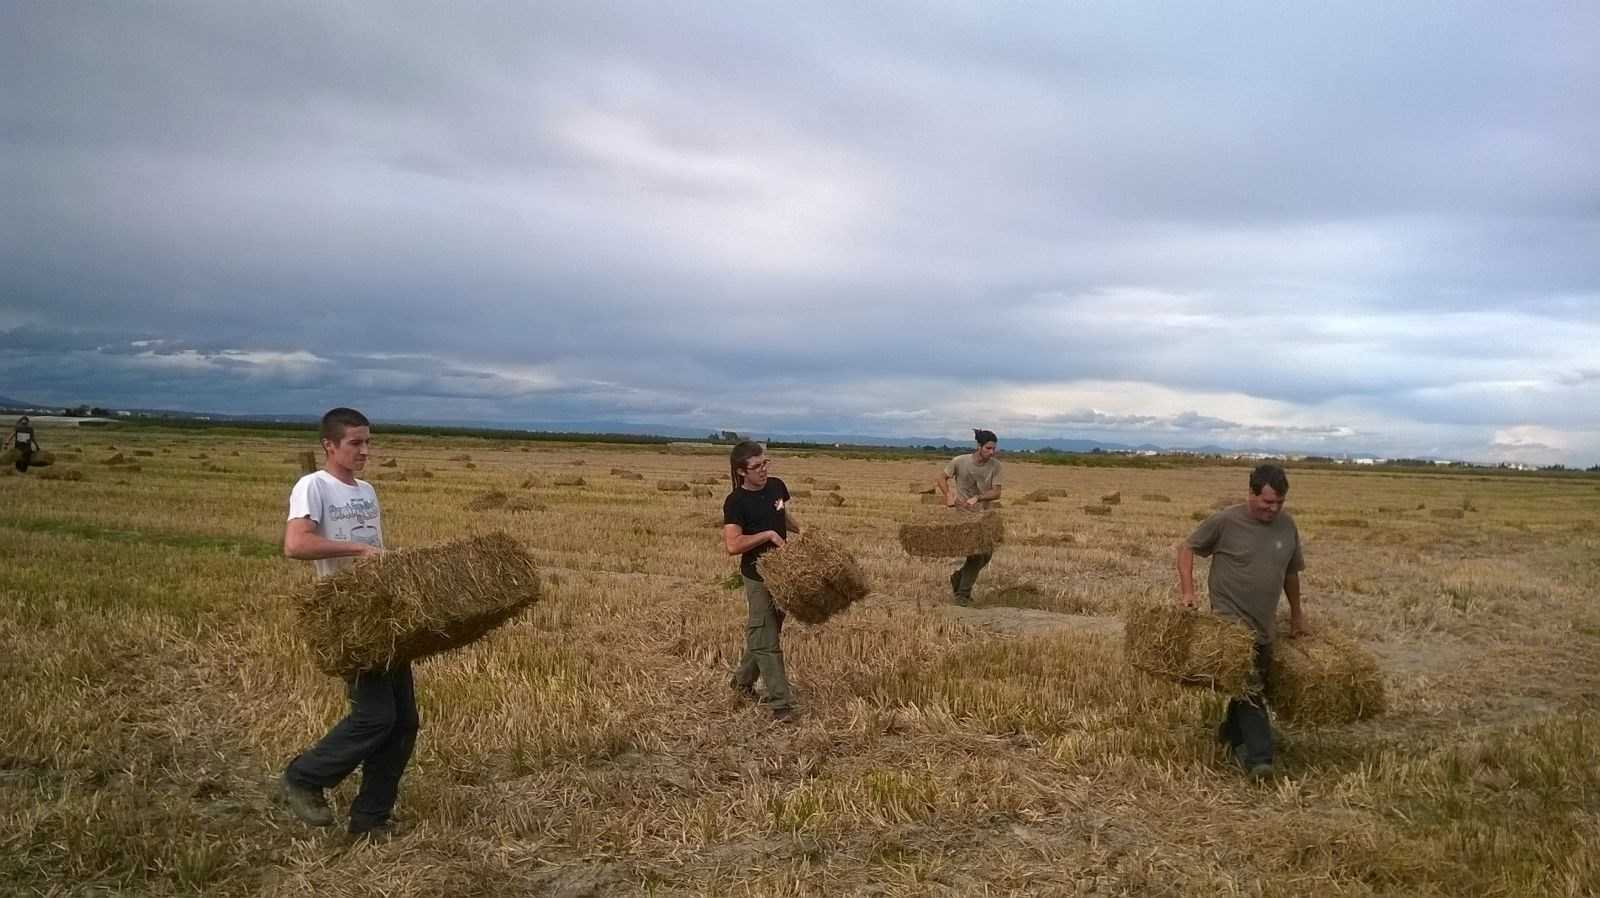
[755, 520]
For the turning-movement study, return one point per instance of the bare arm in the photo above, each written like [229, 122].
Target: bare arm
[790, 522]
[1297, 620]
[1186, 576]
[301, 542]
[942, 483]
[737, 543]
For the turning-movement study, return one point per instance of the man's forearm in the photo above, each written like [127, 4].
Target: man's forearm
[1291, 589]
[311, 547]
[1186, 570]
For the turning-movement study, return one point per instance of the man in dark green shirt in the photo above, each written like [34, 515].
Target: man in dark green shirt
[1255, 554]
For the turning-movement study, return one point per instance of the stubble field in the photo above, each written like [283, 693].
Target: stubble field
[154, 688]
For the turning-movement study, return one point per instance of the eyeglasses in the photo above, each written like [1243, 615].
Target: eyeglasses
[758, 466]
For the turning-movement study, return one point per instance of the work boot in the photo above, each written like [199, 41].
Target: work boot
[785, 715]
[376, 834]
[310, 805]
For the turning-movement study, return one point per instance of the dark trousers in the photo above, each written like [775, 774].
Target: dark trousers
[763, 649]
[968, 574]
[1246, 728]
[24, 457]
[377, 735]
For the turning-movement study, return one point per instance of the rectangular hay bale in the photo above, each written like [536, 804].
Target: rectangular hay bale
[1189, 646]
[813, 577]
[407, 605]
[1325, 678]
[952, 533]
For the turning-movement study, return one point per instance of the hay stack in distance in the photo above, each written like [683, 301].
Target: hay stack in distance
[407, 605]
[486, 501]
[1448, 513]
[1058, 492]
[813, 577]
[631, 475]
[567, 481]
[952, 533]
[701, 492]
[672, 486]
[1097, 509]
[1324, 679]
[834, 500]
[799, 494]
[462, 457]
[1037, 496]
[144, 453]
[391, 463]
[1189, 646]
[115, 459]
[826, 486]
[1112, 498]
[1155, 497]
[519, 504]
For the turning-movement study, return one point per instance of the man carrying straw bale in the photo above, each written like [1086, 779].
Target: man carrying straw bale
[333, 520]
[756, 520]
[1255, 553]
[24, 441]
[972, 483]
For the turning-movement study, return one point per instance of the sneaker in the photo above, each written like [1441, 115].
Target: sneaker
[1261, 771]
[785, 715]
[310, 805]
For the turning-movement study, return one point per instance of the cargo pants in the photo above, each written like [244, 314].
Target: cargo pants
[763, 653]
[377, 735]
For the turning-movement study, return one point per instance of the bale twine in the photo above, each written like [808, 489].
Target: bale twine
[1189, 646]
[1112, 498]
[406, 605]
[952, 533]
[1097, 509]
[672, 486]
[1324, 679]
[487, 501]
[834, 500]
[813, 577]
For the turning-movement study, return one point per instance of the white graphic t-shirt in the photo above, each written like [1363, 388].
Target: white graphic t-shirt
[342, 513]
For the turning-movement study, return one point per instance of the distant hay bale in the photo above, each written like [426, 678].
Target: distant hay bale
[1037, 496]
[421, 473]
[70, 474]
[952, 533]
[144, 453]
[1189, 646]
[799, 494]
[1111, 498]
[1058, 492]
[1155, 497]
[834, 500]
[813, 577]
[672, 486]
[115, 459]
[1324, 679]
[1097, 509]
[486, 501]
[471, 466]
[391, 463]
[408, 605]
[631, 475]
[462, 457]
[1452, 513]
[567, 481]
[577, 461]
[522, 504]
[709, 481]
[615, 471]
[528, 483]
[701, 492]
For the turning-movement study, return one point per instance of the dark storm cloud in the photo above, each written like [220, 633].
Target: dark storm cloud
[1362, 222]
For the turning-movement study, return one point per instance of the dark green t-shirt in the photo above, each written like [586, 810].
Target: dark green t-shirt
[1249, 561]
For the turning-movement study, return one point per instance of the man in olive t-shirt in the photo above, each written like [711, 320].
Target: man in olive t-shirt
[1255, 554]
[971, 482]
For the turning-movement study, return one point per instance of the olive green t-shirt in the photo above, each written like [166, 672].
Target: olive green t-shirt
[1249, 561]
[972, 479]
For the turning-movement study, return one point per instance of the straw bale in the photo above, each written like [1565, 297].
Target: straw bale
[72, 474]
[471, 466]
[701, 492]
[672, 486]
[615, 471]
[407, 605]
[145, 453]
[521, 504]
[1112, 498]
[813, 577]
[462, 457]
[1097, 509]
[631, 475]
[115, 459]
[709, 481]
[1058, 492]
[577, 461]
[1037, 496]
[486, 501]
[392, 476]
[834, 500]
[799, 494]
[421, 473]
[567, 481]
[391, 463]
[1452, 513]
[1325, 678]
[825, 486]
[952, 533]
[1189, 646]
[1155, 497]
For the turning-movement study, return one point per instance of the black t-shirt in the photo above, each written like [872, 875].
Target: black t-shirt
[757, 511]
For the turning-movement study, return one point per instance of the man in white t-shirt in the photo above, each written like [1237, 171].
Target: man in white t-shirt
[333, 520]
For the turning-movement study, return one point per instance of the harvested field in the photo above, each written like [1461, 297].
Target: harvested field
[672, 486]
[1097, 509]
[155, 684]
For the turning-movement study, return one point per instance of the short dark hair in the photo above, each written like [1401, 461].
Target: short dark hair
[338, 420]
[1269, 475]
[984, 436]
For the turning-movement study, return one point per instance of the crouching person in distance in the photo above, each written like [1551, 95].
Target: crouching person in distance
[333, 520]
[755, 520]
[971, 482]
[1255, 554]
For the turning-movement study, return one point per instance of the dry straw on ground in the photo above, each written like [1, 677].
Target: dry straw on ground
[1189, 646]
[630, 475]
[462, 457]
[672, 486]
[1155, 497]
[486, 501]
[834, 500]
[1097, 509]
[799, 494]
[517, 504]
[1453, 513]
[813, 577]
[701, 492]
[407, 605]
[932, 499]
[567, 481]
[1324, 679]
[952, 533]
[72, 474]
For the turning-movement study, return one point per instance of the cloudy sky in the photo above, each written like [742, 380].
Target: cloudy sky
[1183, 224]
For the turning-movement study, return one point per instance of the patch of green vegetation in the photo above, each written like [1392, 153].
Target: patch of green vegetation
[245, 546]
